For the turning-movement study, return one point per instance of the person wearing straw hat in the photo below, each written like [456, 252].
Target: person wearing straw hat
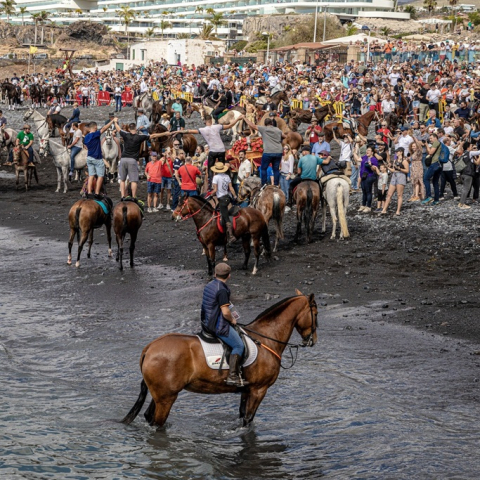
[222, 188]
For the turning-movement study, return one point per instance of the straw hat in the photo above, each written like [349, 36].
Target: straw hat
[219, 167]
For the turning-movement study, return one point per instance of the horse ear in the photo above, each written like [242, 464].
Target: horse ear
[298, 292]
[311, 298]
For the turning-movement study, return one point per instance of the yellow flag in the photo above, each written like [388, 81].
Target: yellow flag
[33, 49]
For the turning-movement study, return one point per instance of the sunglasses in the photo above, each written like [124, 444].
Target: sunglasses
[176, 144]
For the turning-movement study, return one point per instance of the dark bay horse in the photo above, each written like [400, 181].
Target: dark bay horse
[127, 218]
[176, 362]
[298, 116]
[269, 200]
[12, 94]
[36, 95]
[189, 142]
[249, 226]
[363, 123]
[401, 108]
[307, 199]
[84, 217]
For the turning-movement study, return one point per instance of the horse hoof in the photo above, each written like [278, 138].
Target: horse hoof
[225, 259]
[57, 190]
[77, 264]
[254, 272]
[69, 262]
[110, 254]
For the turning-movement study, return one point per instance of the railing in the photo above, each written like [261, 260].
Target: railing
[185, 95]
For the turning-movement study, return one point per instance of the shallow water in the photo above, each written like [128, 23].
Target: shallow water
[370, 400]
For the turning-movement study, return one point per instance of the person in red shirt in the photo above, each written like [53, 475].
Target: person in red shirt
[312, 131]
[187, 177]
[153, 171]
[167, 179]
[385, 133]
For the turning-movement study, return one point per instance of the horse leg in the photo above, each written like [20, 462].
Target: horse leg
[59, 179]
[149, 412]
[70, 245]
[90, 243]
[81, 243]
[333, 214]
[254, 399]
[299, 225]
[65, 179]
[17, 177]
[108, 227]
[225, 256]
[246, 250]
[163, 406]
[243, 404]
[210, 258]
[324, 215]
[120, 250]
[256, 251]
[133, 239]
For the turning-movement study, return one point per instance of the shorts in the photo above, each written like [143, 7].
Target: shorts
[381, 197]
[153, 187]
[128, 166]
[398, 178]
[167, 183]
[95, 167]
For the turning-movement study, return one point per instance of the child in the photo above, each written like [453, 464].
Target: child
[382, 187]
[153, 171]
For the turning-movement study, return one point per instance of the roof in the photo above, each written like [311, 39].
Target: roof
[354, 38]
[307, 46]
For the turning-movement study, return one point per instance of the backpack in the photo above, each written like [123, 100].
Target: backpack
[444, 156]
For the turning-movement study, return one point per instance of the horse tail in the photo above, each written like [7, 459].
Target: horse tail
[277, 214]
[35, 174]
[341, 212]
[132, 414]
[77, 222]
[125, 220]
[266, 240]
[308, 211]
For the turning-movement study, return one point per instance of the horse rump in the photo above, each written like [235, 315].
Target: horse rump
[77, 223]
[132, 414]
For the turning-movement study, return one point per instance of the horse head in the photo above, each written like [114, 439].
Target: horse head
[108, 137]
[183, 209]
[307, 322]
[44, 146]
[28, 114]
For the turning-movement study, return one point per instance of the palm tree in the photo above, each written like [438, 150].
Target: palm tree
[42, 18]
[104, 9]
[217, 20]
[8, 8]
[453, 3]
[127, 15]
[183, 35]
[165, 12]
[385, 31]
[78, 11]
[23, 11]
[199, 10]
[35, 20]
[430, 5]
[150, 32]
[351, 29]
[206, 33]
[412, 11]
[211, 11]
[163, 25]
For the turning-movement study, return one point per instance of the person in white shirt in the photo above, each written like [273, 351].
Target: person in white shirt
[143, 86]
[245, 168]
[85, 91]
[388, 105]
[404, 140]
[433, 96]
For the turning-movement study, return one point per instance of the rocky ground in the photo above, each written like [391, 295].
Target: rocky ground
[419, 269]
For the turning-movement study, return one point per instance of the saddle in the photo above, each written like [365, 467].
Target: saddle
[234, 213]
[105, 202]
[213, 343]
[138, 202]
[351, 124]
[326, 178]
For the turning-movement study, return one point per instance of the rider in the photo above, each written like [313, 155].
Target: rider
[75, 147]
[25, 141]
[75, 117]
[222, 188]
[142, 122]
[218, 320]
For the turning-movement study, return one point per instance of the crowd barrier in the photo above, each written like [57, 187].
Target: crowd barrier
[185, 95]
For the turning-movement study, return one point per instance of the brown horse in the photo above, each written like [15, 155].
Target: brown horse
[307, 199]
[269, 200]
[363, 123]
[189, 142]
[21, 161]
[249, 226]
[176, 362]
[293, 139]
[298, 116]
[84, 217]
[401, 108]
[127, 218]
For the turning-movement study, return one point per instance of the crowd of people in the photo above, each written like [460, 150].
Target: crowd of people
[442, 95]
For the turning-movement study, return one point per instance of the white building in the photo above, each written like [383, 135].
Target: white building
[188, 16]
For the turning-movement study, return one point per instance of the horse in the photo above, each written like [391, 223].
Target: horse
[298, 116]
[61, 160]
[176, 362]
[269, 200]
[7, 143]
[110, 151]
[293, 139]
[189, 142]
[12, 94]
[21, 159]
[250, 225]
[127, 218]
[402, 108]
[85, 216]
[36, 95]
[363, 123]
[63, 90]
[56, 121]
[336, 192]
[145, 101]
[39, 121]
[307, 199]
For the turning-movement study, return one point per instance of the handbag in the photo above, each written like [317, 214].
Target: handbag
[429, 158]
[460, 165]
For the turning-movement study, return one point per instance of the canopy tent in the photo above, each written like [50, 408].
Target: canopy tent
[354, 38]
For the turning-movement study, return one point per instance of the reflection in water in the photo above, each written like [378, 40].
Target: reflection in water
[379, 402]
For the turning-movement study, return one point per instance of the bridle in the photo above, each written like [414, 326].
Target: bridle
[306, 342]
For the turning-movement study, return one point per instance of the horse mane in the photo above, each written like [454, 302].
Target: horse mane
[273, 308]
[202, 200]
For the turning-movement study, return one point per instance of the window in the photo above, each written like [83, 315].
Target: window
[133, 54]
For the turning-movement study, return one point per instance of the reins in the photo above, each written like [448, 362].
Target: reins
[192, 214]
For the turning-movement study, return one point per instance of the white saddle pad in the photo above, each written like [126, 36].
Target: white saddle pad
[214, 351]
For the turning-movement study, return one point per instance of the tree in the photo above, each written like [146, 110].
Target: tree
[453, 3]
[430, 5]
[23, 11]
[150, 32]
[126, 15]
[104, 9]
[35, 20]
[351, 29]
[412, 11]
[210, 11]
[199, 10]
[42, 19]
[183, 35]
[385, 31]
[8, 8]
[217, 20]
[206, 33]
[163, 25]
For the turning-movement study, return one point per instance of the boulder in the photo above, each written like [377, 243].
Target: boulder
[87, 31]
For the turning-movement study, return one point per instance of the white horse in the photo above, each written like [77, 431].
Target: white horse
[7, 143]
[39, 121]
[61, 160]
[336, 192]
[145, 101]
[110, 151]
